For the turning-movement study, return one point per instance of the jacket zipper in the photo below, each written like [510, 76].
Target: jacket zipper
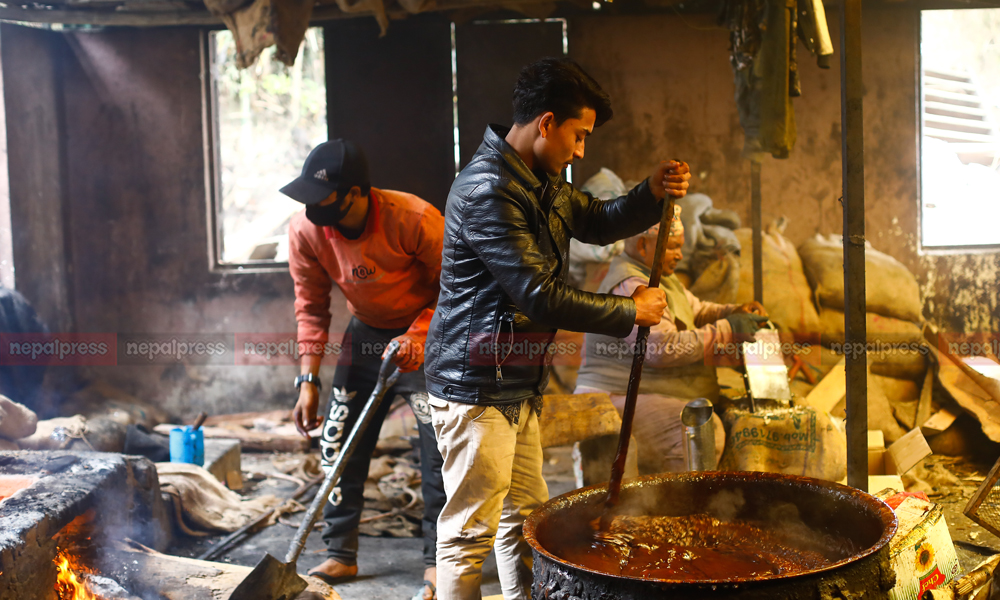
[507, 316]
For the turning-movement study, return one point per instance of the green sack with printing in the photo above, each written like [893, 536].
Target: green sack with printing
[795, 440]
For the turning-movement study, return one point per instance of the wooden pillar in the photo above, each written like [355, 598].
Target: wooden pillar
[756, 224]
[392, 96]
[33, 101]
[852, 134]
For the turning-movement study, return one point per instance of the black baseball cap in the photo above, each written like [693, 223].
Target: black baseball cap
[331, 166]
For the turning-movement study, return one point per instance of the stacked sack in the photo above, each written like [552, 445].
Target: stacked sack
[788, 297]
[897, 352]
[588, 263]
[804, 295]
[710, 267]
[892, 303]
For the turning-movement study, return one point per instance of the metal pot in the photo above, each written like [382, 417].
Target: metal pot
[857, 526]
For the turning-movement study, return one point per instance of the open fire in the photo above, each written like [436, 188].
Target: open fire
[61, 514]
[69, 579]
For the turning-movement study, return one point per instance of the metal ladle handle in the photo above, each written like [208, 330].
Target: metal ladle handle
[385, 381]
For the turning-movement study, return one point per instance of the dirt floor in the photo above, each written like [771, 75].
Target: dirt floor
[391, 568]
[954, 481]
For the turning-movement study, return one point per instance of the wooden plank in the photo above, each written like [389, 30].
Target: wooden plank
[972, 398]
[876, 452]
[569, 418]
[924, 404]
[906, 452]
[830, 390]
[177, 578]
[255, 441]
[938, 422]
[247, 419]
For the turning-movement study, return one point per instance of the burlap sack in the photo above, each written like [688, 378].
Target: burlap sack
[901, 365]
[896, 347]
[891, 289]
[720, 281]
[797, 441]
[887, 330]
[787, 295]
[55, 434]
[16, 420]
[880, 413]
[898, 390]
[207, 504]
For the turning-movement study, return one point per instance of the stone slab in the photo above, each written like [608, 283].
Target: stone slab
[222, 459]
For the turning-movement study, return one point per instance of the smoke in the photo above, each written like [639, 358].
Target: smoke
[726, 505]
[641, 501]
[129, 509]
[785, 520]
[105, 588]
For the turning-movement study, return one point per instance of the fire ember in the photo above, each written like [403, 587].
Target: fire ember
[59, 512]
[69, 586]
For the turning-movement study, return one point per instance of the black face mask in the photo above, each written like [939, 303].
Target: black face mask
[329, 215]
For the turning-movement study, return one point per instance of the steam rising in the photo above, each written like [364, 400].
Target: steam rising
[726, 505]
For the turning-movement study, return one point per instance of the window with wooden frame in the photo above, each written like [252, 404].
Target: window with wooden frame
[261, 124]
[960, 129]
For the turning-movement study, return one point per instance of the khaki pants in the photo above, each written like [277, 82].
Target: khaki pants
[493, 479]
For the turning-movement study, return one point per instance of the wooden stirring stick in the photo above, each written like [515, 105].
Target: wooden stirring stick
[618, 467]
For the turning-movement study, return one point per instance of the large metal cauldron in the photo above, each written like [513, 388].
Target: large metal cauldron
[857, 524]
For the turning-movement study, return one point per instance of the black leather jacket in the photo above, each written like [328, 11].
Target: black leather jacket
[503, 275]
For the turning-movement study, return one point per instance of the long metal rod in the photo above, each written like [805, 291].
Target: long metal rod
[756, 224]
[340, 463]
[852, 133]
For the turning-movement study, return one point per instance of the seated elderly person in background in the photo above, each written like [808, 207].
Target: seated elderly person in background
[680, 359]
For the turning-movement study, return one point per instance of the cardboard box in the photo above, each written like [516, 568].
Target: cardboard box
[898, 458]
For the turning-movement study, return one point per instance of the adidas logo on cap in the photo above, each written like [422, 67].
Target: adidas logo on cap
[321, 174]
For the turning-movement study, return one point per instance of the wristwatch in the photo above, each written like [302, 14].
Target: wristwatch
[310, 378]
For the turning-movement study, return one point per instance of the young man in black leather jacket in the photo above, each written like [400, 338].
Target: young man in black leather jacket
[508, 223]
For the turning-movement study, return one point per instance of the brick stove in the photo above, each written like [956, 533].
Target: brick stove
[47, 499]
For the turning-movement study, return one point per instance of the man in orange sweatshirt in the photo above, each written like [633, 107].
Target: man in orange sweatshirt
[383, 250]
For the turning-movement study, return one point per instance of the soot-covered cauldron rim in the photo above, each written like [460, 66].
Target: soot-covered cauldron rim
[854, 496]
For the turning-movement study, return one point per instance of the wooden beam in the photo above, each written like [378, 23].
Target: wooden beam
[251, 440]
[105, 13]
[855, 326]
[105, 17]
[179, 578]
[757, 226]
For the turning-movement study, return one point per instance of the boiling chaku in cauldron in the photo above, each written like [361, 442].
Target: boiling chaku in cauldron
[694, 547]
[695, 535]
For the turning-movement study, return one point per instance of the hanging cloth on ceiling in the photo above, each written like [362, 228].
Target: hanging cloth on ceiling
[763, 35]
